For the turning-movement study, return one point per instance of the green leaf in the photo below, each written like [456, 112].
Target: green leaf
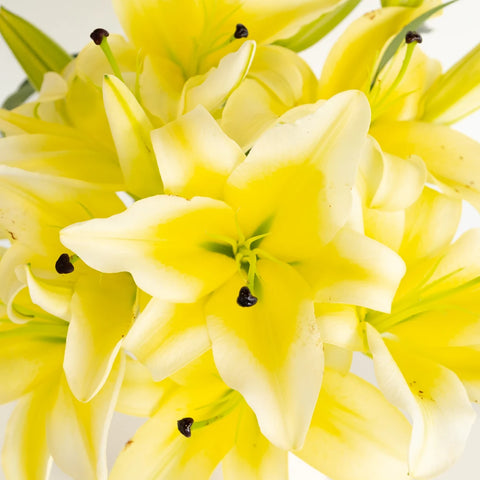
[400, 37]
[23, 92]
[36, 52]
[315, 31]
[401, 3]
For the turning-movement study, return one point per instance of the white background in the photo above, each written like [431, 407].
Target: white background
[70, 23]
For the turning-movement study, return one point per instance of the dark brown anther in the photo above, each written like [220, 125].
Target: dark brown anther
[241, 31]
[63, 264]
[245, 298]
[98, 35]
[411, 37]
[185, 426]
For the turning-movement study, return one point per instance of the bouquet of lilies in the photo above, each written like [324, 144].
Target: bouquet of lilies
[198, 231]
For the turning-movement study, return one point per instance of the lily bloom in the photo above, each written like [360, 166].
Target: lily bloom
[196, 422]
[426, 349]
[277, 242]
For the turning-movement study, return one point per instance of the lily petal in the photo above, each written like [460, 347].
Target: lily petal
[140, 395]
[131, 129]
[25, 454]
[62, 156]
[213, 88]
[158, 450]
[357, 423]
[101, 315]
[77, 432]
[167, 336]
[299, 178]
[449, 155]
[188, 163]
[430, 226]
[35, 206]
[432, 395]
[53, 298]
[30, 354]
[392, 183]
[367, 276]
[271, 352]
[253, 456]
[163, 242]
[277, 81]
[456, 93]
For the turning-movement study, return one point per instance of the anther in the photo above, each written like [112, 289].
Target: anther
[245, 298]
[241, 31]
[185, 426]
[63, 264]
[98, 35]
[411, 37]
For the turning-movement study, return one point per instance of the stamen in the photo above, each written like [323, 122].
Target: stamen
[411, 37]
[99, 36]
[64, 265]
[185, 426]
[241, 31]
[245, 298]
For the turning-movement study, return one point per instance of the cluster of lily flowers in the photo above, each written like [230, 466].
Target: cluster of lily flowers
[269, 225]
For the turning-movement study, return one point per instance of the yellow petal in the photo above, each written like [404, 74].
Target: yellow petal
[161, 84]
[30, 354]
[167, 336]
[339, 325]
[253, 456]
[367, 276]
[35, 206]
[54, 87]
[432, 396]
[190, 33]
[62, 156]
[356, 432]
[158, 450]
[363, 39]
[451, 280]
[450, 156]
[430, 226]
[140, 395]
[131, 129]
[271, 352]
[25, 454]
[52, 297]
[299, 178]
[77, 432]
[277, 81]
[101, 315]
[456, 93]
[385, 227]
[188, 164]
[213, 88]
[392, 183]
[162, 241]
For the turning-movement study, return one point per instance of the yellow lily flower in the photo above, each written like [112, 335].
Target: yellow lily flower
[193, 36]
[424, 360]
[48, 421]
[408, 96]
[351, 420]
[242, 250]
